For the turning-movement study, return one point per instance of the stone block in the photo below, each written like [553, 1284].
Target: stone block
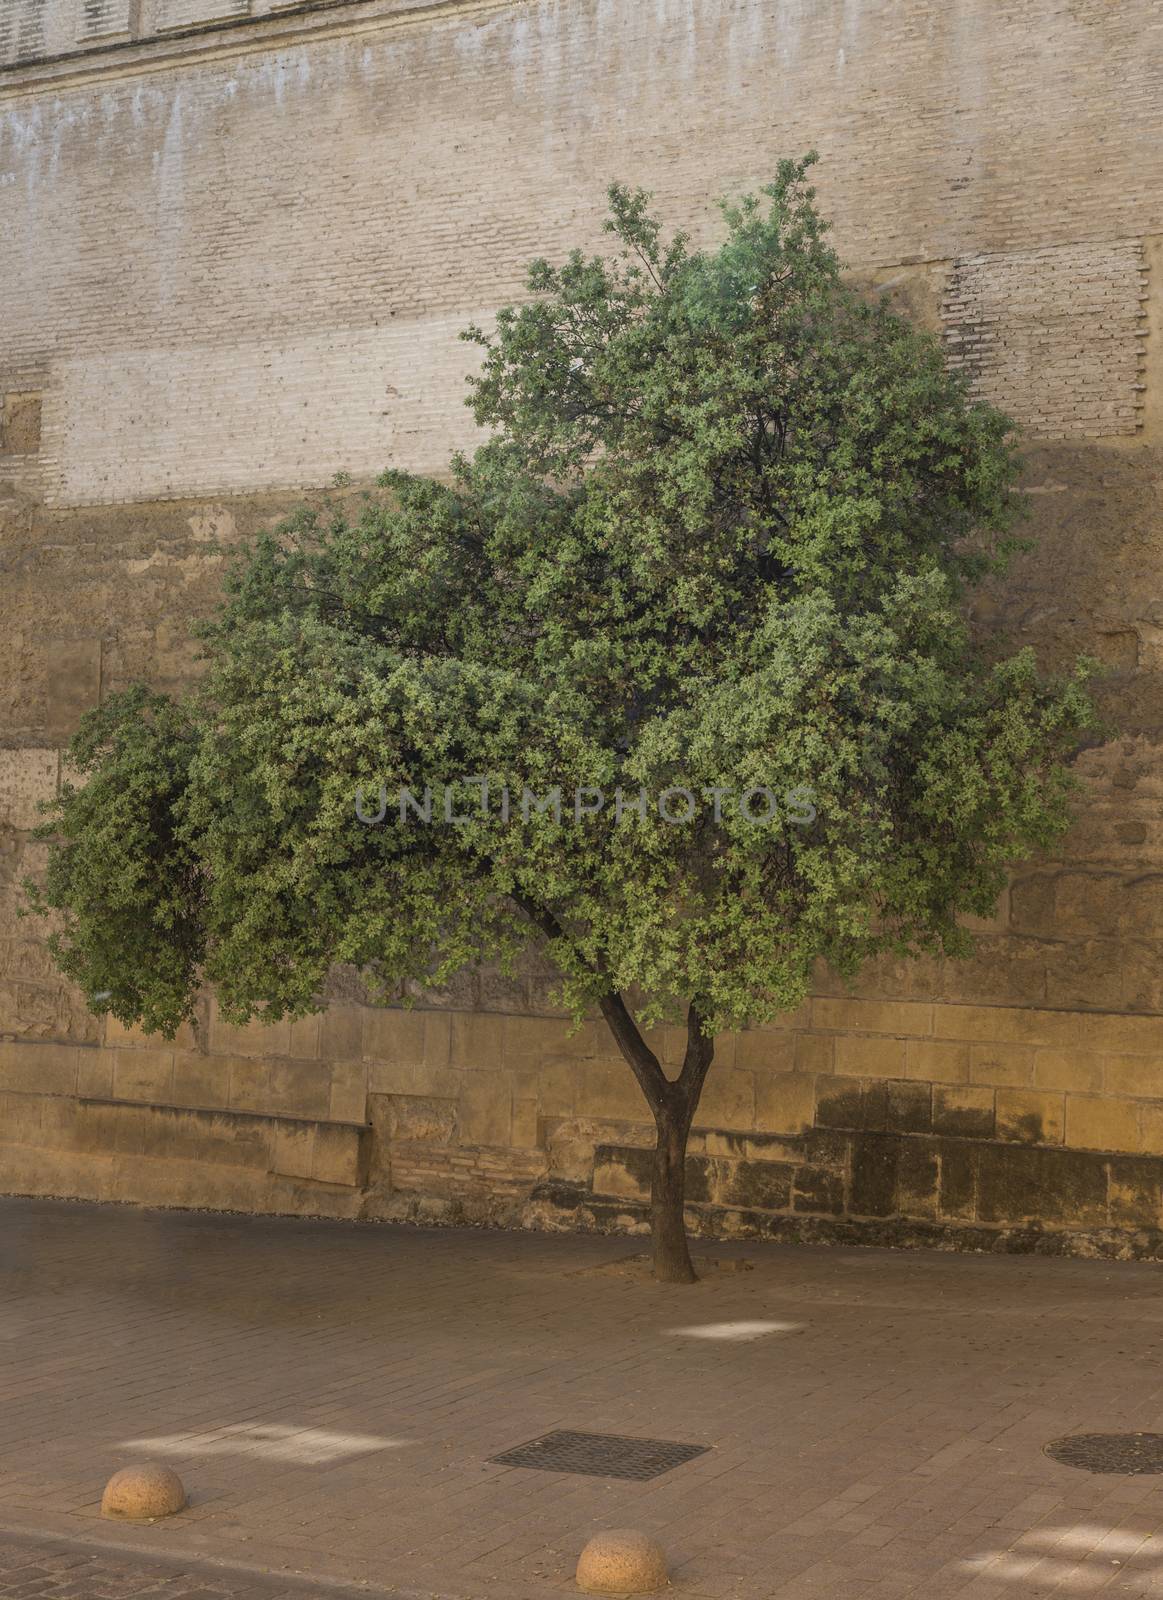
[294, 1149]
[997, 1025]
[957, 1182]
[719, 1142]
[963, 1111]
[337, 1156]
[27, 777]
[1091, 973]
[477, 1041]
[1142, 907]
[219, 1138]
[384, 1077]
[1151, 1129]
[1080, 1071]
[1135, 1191]
[557, 1088]
[134, 1128]
[702, 1179]
[765, 1051]
[918, 1178]
[39, 1067]
[815, 1053]
[755, 1185]
[394, 1035]
[790, 1021]
[304, 1037]
[423, 1119]
[249, 1083]
[728, 1099]
[200, 1080]
[21, 1117]
[74, 683]
[143, 1075]
[875, 1160]
[905, 1018]
[300, 1088]
[341, 1033]
[126, 1036]
[532, 1040]
[609, 1089]
[571, 1158]
[58, 1120]
[910, 1106]
[1131, 1075]
[32, 1169]
[526, 1127]
[1028, 1183]
[1064, 905]
[1094, 1123]
[1003, 1066]
[818, 1191]
[1109, 1032]
[785, 1103]
[485, 1114]
[827, 1147]
[254, 1038]
[1029, 1116]
[852, 1103]
[623, 1171]
[95, 1127]
[997, 921]
[937, 1061]
[349, 1090]
[870, 1058]
[393, 1077]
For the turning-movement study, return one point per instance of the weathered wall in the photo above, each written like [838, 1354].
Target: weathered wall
[236, 243]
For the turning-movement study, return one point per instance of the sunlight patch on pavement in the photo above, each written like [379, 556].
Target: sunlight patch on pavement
[1083, 1537]
[736, 1332]
[1066, 1558]
[271, 1441]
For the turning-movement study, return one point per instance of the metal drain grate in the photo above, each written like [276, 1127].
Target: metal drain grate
[600, 1455]
[1130, 1453]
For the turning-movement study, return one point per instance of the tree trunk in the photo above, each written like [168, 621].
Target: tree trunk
[673, 1102]
[670, 1253]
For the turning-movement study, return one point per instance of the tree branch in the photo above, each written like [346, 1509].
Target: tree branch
[700, 1049]
[644, 1064]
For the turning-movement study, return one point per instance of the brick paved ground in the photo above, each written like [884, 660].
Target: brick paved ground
[331, 1395]
[55, 1569]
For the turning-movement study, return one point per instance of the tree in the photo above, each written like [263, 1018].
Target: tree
[670, 678]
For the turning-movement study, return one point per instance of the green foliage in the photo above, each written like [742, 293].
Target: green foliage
[119, 866]
[719, 536]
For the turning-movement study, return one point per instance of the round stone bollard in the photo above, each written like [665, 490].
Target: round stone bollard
[622, 1561]
[143, 1493]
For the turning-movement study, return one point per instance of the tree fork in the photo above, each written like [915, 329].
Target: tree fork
[673, 1103]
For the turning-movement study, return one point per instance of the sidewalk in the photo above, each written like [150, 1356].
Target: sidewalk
[331, 1394]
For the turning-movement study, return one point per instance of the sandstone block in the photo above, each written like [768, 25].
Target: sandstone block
[1094, 1123]
[1030, 1116]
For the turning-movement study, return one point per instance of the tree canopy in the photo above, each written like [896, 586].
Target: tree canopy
[717, 541]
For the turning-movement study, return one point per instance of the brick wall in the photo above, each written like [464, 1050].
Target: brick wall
[237, 242]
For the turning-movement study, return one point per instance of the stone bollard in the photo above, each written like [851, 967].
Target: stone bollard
[143, 1493]
[622, 1561]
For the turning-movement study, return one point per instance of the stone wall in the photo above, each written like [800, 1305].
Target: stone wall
[237, 240]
